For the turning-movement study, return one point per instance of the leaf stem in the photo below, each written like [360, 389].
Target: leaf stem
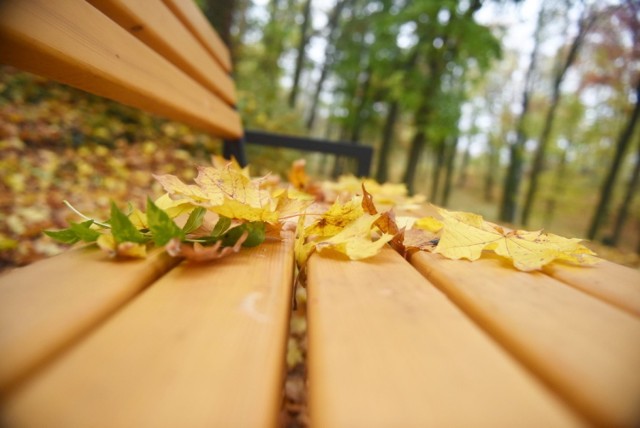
[72, 208]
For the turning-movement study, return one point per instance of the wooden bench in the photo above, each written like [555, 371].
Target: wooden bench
[87, 341]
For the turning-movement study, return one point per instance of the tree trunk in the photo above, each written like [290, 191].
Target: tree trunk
[329, 52]
[220, 15]
[623, 211]
[361, 98]
[415, 152]
[493, 162]
[302, 47]
[516, 150]
[607, 186]
[382, 172]
[464, 167]
[558, 189]
[538, 163]
[448, 178]
[438, 163]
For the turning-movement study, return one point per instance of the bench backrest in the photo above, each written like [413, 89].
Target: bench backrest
[161, 56]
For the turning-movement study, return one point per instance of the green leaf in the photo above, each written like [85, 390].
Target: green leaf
[256, 236]
[195, 220]
[122, 228]
[221, 226]
[66, 236]
[84, 232]
[163, 229]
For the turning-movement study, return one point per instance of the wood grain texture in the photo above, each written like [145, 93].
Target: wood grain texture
[613, 283]
[74, 43]
[585, 349]
[48, 305]
[152, 22]
[203, 347]
[194, 19]
[387, 349]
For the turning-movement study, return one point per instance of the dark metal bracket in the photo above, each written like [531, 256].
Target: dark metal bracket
[363, 154]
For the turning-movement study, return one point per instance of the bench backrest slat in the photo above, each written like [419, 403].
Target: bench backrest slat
[154, 24]
[197, 23]
[73, 42]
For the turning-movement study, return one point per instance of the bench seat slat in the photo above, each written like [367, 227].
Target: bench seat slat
[74, 43]
[386, 348]
[584, 348]
[613, 283]
[48, 305]
[153, 22]
[203, 347]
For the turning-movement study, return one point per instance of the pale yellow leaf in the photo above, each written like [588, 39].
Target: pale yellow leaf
[466, 235]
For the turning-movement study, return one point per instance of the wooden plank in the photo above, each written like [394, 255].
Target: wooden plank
[388, 349]
[204, 347]
[48, 305]
[153, 23]
[613, 283]
[194, 20]
[585, 349]
[74, 43]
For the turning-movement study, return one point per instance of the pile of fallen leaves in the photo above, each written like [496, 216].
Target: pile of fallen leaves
[226, 209]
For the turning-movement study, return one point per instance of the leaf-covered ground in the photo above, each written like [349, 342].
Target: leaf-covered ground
[57, 143]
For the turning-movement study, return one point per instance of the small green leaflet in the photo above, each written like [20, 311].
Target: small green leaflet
[84, 232]
[74, 233]
[122, 228]
[163, 229]
[221, 226]
[256, 236]
[195, 220]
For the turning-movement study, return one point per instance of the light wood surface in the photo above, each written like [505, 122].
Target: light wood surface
[585, 349]
[153, 22]
[195, 20]
[74, 43]
[48, 305]
[613, 283]
[203, 347]
[387, 349]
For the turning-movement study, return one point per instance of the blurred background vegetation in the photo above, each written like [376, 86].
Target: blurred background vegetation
[523, 111]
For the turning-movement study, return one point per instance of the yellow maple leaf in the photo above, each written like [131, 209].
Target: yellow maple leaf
[355, 240]
[172, 207]
[138, 219]
[302, 249]
[337, 217]
[291, 203]
[108, 244]
[227, 192]
[430, 224]
[297, 175]
[466, 235]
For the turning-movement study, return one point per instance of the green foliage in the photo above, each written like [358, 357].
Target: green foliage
[195, 220]
[123, 229]
[162, 228]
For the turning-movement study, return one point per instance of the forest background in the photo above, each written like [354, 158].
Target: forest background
[523, 111]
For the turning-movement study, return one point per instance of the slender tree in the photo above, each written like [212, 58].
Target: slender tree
[516, 148]
[584, 24]
[630, 192]
[301, 54]
[329, 58]
[606, 190]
